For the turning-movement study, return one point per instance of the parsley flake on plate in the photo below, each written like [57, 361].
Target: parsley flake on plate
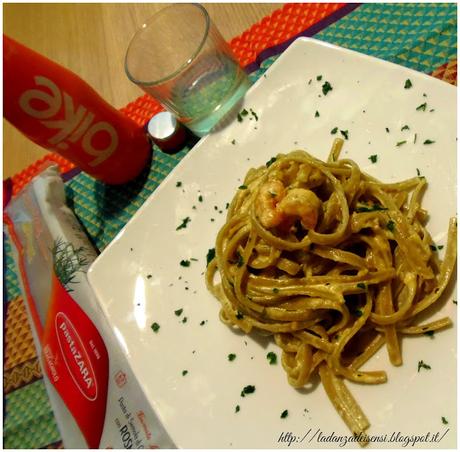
[184, 263]
[249, 389]
[422, 107]
[422, 365]
[284, 414]
[334, 130]
[272, 358]
[344, 134]
[429, 142]
[184, 223]
[231, 356]
[326, 88]
[242, 187]
[400, 143]
[210, 255]
[155, 327]
[408, 84]
[184, 373]
[242, 114]
[444, 420]
[178, 312]
[178, 183]
[373, 158]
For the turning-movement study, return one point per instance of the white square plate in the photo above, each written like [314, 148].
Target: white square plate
[138, 279]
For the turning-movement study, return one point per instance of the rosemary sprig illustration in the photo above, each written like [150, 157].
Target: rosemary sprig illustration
[68, 261]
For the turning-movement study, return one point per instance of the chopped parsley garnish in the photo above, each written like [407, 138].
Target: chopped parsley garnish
[275, 290]
[178, 183]
[284, 414]
[210, 256]
[418, 172]
[326, 88]
[373, 158]
[391, 225]
[184, 320]
[344, 134]
[433, 248]
[184, 373]
[454, 301]
[406, 127]
[271, 356]
[242, 114]
[361, 286]
[319, 78]
[317, 114]
[248, 390]
[184, 223]
[422, 365]
[415, 138]
[429, 333]
[387, 129]
[272, 160]
[240, 261]
[253, 113]
[149, 276]
[239, 315]
[200, 198]
[422, 107]
[178, 312]
[374, 208]
[233, 141]
[408, 84]
[155, 327]
[429, 142]
[242, 187]
[334, 130]
[400, 143]
[202, 322]
[185, 263]
[444, 420]
[231, 357]
[358, 313]
[237, 409]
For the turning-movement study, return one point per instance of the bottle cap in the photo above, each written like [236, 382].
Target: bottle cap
[166, 132]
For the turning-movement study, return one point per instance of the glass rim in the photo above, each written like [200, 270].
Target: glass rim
[187, 62]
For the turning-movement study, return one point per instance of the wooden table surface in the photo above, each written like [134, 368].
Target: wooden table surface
[91, 40]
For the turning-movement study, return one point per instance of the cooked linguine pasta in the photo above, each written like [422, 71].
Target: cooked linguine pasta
[334, 264]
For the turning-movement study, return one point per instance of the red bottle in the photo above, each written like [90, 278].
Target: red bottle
[60, 112]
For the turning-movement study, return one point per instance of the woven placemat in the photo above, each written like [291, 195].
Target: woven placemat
[415, 35]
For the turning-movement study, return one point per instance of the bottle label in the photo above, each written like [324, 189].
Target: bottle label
[97, 139]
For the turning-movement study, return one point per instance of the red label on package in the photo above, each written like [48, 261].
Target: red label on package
[76, 362]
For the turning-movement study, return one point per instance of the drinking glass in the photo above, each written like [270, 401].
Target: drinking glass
[179, 57]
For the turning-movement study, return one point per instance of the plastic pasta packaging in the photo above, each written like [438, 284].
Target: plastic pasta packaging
[96, 398]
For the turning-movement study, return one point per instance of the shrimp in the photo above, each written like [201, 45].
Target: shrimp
[277, 206]
[270, 194]
[301, 203]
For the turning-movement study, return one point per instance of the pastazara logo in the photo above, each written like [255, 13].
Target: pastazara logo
[76, 357]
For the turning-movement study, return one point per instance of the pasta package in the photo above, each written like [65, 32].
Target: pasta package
[332, 263]
[96, 398]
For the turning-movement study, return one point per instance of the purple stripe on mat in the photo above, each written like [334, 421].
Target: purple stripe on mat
[311, 31]
[70, 174]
